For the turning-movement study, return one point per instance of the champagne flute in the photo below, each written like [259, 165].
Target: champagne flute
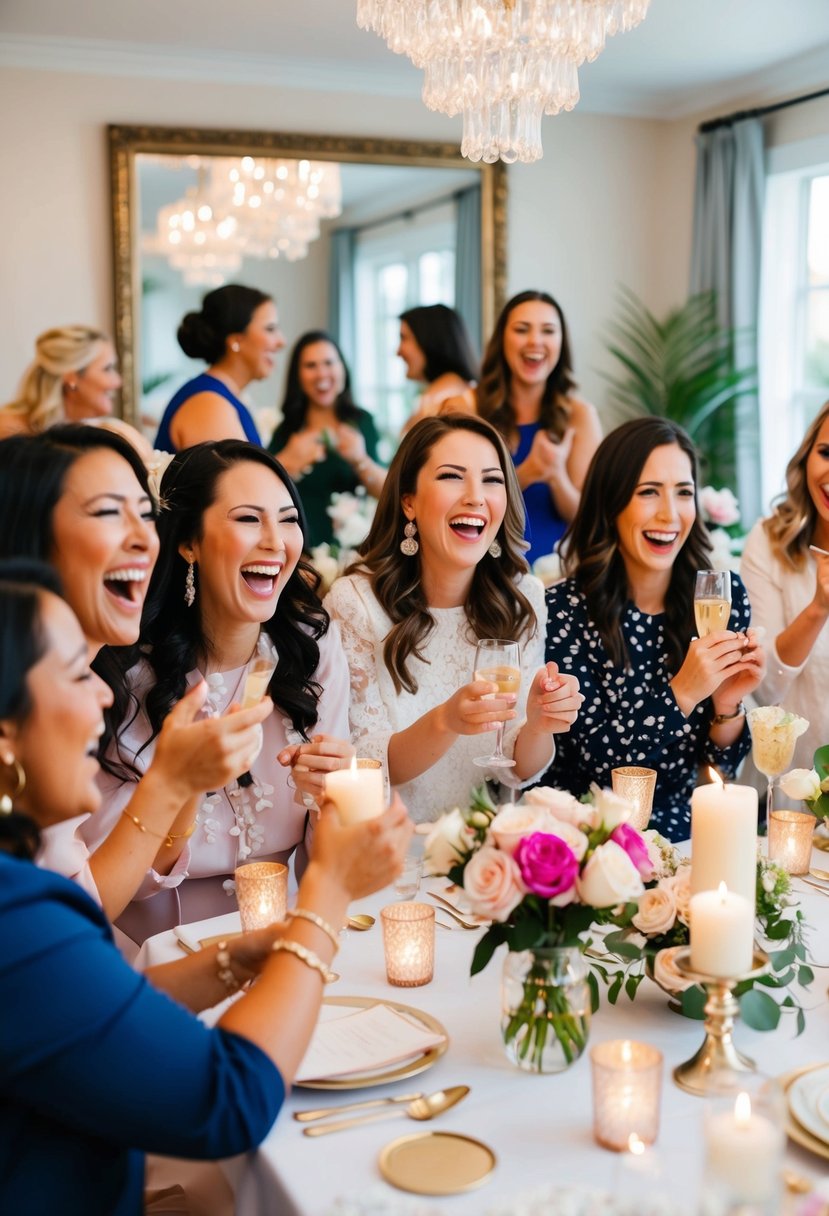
[712, 601]
[498, 662]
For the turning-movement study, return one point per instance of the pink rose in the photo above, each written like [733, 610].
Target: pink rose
[549, 868]
[657, 911]
[681, 887]
[635, 847]
[492, 882]
[719, 506]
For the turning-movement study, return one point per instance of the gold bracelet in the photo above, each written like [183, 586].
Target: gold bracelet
[171, 836]
[307, 914]
[305, 956]
[167, 837]
[224, 971]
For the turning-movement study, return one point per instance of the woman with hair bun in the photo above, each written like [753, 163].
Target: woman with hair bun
[237, 334]
[436, 347]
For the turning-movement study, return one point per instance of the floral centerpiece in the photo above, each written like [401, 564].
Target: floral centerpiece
[542, 872]
[720, 512]
[810, 785]
[351, 516]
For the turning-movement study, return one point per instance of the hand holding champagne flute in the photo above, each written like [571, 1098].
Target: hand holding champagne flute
[712, 601]
[498, 662]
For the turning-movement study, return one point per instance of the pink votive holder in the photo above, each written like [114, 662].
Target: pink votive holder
[790, 840]
[627, 1088]
[262, 893]
[409, 943]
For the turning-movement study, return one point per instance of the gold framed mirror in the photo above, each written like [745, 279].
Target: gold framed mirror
[137, 151]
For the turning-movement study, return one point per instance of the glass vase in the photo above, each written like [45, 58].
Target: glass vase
[545, 1008]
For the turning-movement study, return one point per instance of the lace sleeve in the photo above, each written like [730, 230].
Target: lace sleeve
[361, 629]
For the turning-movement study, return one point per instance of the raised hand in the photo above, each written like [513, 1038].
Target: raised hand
[547, 460]
[362, 857]
[309, 762]
[554, 701]
[711, 661]
[476, 709]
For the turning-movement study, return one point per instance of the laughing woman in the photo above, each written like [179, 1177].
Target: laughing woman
[623, 622]
[230, 572]
[442, 567]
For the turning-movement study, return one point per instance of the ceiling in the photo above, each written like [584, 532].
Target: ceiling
[688, 56]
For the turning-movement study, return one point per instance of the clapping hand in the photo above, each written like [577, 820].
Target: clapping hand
[547, 460]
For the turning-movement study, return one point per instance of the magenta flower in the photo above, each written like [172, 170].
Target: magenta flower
[548, 866]
[630, 840]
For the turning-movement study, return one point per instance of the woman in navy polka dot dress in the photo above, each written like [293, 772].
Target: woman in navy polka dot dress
[623, 623]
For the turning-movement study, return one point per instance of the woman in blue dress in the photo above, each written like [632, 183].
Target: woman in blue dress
[623, 623]
[237, 334]
[526, 392]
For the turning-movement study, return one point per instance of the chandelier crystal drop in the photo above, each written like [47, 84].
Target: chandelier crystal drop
[503, 64]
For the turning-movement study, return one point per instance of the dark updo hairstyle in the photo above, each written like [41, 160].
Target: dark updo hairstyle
[22, 645]
[225, 311]
[494, 388]
[295, 403]
[172, 637]
[591, 544]
[441, 334]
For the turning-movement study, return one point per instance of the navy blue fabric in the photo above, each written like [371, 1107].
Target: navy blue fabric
[204, 383]
[545, 527]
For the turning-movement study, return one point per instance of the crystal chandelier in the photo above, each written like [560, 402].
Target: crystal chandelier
[501, 63]
[204, 246]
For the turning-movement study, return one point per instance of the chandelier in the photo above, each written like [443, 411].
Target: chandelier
[501, 63]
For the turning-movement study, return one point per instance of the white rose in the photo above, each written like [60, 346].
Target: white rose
[681, 888]
[513, 823]
[560, 804]
[657, 911]
[609, 878]
[326, 566]
[611, 810]
[448, 843]
[548, 569]
[801, 784]
[666, 973]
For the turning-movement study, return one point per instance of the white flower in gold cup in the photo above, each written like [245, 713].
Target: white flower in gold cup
[774, 733]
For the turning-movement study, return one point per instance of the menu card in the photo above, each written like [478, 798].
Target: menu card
[363, 1041]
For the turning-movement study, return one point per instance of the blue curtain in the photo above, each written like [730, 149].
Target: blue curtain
[468, 261]
[341, 297]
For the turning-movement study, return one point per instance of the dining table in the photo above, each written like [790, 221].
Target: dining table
[538, 1127]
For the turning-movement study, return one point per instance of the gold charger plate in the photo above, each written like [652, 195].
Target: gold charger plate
[436, 1163]
[794, 1130]
[394, 1072]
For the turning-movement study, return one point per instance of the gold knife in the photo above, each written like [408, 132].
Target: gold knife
[308, 1116]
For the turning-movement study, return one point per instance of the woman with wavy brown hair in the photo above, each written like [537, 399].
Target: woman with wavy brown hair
[623, 622]
[441, 568]
[788, 581]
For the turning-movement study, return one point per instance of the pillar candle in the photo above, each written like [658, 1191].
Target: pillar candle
[743, 1154]
[724, 839]
[356, 792]
[722, 933]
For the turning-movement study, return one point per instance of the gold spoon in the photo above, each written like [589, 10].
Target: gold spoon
[822, 874]
[360, 921]
[421, 1109]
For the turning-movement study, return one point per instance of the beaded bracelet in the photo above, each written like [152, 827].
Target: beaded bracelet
[224, 971]
[305, 956]
[167, 837]
[315, 919]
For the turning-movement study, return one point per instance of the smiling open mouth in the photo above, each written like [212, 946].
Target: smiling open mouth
[262, 578]
[126, 585]
[661, 540]
[469, 527]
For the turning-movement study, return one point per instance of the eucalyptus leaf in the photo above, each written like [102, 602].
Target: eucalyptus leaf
[759, 1011]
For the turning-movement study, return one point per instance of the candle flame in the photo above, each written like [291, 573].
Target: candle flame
[635, 1145]
[742, 1110]
[722, 891]
[715, 778]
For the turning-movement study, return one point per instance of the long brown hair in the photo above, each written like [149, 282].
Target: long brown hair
[495, 607]
[493, 392]
[791, 525]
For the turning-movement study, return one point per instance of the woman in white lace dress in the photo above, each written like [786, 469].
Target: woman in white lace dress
[442, 567]
[229, 579]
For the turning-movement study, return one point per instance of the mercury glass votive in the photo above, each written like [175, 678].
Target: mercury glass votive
[637, 786]
[627, 1087]
[262, 893]
[409, 943]
[790, 840]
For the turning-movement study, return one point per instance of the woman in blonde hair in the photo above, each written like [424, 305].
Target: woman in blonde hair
[787, 579]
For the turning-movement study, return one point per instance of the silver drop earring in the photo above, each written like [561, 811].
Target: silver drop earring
[409, 545]
[495, 549]
[190, 587]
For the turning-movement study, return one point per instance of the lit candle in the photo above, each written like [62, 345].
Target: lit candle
[262, 893]
[743, 1149]
[724, 838]
[722, 933]
[357, 791]
[627, 1084]
[790, 840]
[409, 943]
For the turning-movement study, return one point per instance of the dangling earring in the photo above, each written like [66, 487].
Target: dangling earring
[495, 549]
[6, 801]
[409, 545]
[189, 587]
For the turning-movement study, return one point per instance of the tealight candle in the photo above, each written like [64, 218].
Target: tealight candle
[743, 1151]
[724, 838]
[722, 933]
[262, 893]
[627, 1085]
[409, 943]
[790, 840]
[357, 791]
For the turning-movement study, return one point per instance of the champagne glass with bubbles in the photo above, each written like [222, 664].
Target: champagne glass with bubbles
[498, 662]
[712, 601]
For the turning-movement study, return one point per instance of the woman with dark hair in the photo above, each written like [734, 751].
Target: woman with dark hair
[623, 622]
[230, 583]
[437, 350]
[78, 497]
[97, 1067]
[785, 565]
[441, 568]
[324, 441]
[237, 334]
[526, 392]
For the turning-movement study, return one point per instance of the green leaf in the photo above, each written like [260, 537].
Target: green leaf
[805, 976]
[783, 958]
[759, 1011]
[615, 988]
[595, 1000]
[486, 947]
[801, 1021]
[778, 930]
[631, 984]
[692, 1002]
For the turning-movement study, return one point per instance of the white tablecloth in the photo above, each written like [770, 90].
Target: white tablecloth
[539, 1127]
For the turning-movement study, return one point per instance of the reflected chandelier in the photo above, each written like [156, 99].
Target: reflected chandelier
[501, 63]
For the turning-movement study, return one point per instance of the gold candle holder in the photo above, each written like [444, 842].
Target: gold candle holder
[790, 840]
[409, 943]
[636, 785]
[262, 893]
[627, 1086]
[718, 1057]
